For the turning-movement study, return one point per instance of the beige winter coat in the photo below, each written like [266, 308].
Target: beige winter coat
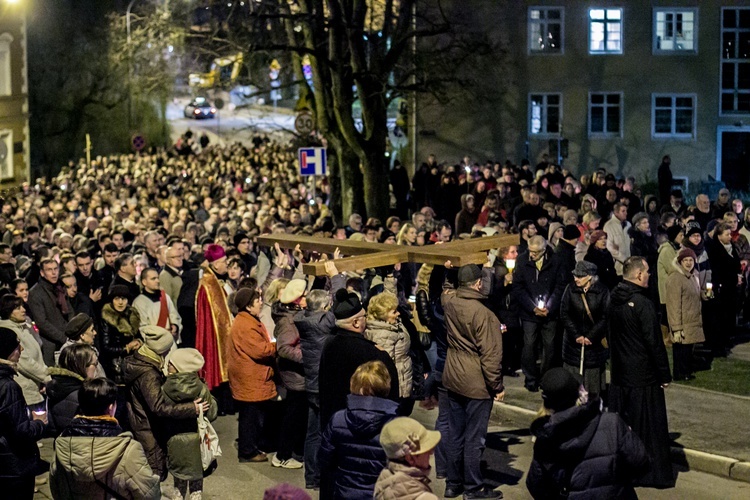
[394, 339]
[32, 372]
[118, 462]
[684, 304]
[665, 266]
[618, 241]
[401, 482]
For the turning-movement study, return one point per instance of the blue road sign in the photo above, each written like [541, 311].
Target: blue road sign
[312, 161]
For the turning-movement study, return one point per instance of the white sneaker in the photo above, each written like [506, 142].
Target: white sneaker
[289, 463]
[196, 495]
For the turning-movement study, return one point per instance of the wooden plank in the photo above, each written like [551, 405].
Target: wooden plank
[457, 260]
[379, 259]
[322, 245]
[472, 245]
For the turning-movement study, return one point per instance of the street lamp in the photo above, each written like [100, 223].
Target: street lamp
[130, 66]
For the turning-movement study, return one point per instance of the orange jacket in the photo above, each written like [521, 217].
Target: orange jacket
[251, 360]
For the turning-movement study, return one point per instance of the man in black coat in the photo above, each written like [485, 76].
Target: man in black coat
[539, 285]
[344, 352]
[566, 249]
[51, 309]
[640, 369]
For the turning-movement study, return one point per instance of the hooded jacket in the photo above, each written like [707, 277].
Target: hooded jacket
[637, 351]
[314, 329]
[684, 304]
[183, 440]
[18, 434]
[95, 449]
[402, 482]
[465, 220]
[581, 453]
[667, 254]
[150, 413]
[62, 399]
[350, 446]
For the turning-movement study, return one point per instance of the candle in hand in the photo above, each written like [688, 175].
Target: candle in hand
[709, 286]
[510, 264]
[540, 304]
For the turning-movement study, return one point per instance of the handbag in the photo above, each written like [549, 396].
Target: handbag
[209, 444]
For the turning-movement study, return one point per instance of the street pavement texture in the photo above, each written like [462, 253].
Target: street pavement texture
[508, 455]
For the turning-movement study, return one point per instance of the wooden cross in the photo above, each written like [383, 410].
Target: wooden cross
[364, 255]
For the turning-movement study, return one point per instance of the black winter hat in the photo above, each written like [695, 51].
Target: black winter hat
[119, 291]
[346, 305]
[559, 389]
[78, 326]
[239, 237]
[571, 232]
[674, 231]
[8, 342]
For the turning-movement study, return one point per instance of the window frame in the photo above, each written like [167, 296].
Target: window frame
[545, 133]
[530, 22]
[605, 21]
[6, 135]
[735, 61]
[675, 10]
[605, 134]
[6, 73]
[673, 108]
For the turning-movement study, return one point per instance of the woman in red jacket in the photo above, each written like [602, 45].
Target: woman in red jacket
[250, 368]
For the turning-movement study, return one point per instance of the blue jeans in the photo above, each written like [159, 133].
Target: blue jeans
[531, 335]
[442, 424]
[468, 423]
[312, 440]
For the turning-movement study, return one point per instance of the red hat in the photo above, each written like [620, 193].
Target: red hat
[596, 236]
[214, 252]
[685, 253]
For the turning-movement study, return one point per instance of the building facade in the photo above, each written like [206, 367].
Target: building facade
[624, 82]
[14, 98]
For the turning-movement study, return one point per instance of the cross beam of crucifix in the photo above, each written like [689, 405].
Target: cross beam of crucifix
[364, 255]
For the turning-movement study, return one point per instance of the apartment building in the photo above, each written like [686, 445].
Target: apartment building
[624, 82]
[14, 101]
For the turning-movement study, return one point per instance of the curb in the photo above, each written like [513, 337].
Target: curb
[717, 465]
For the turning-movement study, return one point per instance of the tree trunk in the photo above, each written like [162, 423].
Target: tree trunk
[334, 179]
[352, 184]
[377, 197]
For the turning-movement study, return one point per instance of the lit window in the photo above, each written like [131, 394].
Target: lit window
[673, 115]
[605, 114]
[545, 114]
[675, 30]
[735, 61]
[605, 31]
[546, 30]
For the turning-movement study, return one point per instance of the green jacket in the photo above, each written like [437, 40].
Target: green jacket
[183, 444]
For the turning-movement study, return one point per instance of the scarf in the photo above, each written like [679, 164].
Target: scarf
[698, 249]
[154, 296]
[61, 296]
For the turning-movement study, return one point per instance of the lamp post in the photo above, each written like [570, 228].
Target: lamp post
[130, 66]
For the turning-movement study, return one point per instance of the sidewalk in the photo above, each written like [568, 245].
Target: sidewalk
[707, 427]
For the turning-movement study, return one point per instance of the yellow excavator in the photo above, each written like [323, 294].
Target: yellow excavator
[224, 72]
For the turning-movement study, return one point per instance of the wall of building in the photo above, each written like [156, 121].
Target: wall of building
[14, 108]
[496, 125]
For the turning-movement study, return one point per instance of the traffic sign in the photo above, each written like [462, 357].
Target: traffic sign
[312, 161]
[138, 142]
[304, 123]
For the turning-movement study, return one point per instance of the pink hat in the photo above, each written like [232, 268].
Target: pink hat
[214, 253]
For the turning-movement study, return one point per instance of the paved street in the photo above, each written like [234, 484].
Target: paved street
[508, 456]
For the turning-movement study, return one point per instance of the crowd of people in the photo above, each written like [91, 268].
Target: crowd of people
[136, 307]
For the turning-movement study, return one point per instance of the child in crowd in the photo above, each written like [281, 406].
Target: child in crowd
[408, 446]
[183, 446]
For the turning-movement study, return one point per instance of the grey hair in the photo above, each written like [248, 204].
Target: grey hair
[317, 300]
